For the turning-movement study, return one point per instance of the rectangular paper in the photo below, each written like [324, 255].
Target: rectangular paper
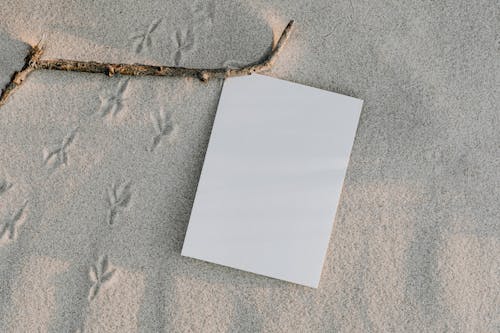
[272, 178]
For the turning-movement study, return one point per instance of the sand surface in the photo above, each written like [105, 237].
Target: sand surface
[93, 208]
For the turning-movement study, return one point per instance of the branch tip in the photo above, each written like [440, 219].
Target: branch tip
[30, 63]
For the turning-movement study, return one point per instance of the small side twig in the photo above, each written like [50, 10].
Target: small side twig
[33, 62]
[18, 78]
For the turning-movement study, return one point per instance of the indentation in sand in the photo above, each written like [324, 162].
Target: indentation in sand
[143, 40]
[108, 313]
[10, 224]
[183, 40]
[101, 275]
[119, 196]
[113, 102]
[162, 124]
[58, 155]
[5, 185]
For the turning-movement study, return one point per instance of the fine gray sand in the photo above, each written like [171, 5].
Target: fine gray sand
[98, 175]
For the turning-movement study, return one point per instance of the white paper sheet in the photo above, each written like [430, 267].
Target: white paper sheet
[272, 178]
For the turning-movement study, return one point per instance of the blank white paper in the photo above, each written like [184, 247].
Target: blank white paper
[272, 178]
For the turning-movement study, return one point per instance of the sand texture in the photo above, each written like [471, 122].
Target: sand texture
[98, 174]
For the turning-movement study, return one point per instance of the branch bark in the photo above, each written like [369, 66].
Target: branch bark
[33, 62]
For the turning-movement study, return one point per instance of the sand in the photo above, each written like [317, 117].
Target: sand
[94, 205]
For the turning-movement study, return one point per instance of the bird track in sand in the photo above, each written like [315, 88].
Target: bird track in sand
[58, 155]
[100, 275]
[143, 40]
[184, 41]
[162, 124]
[5, 185]
[112, 102]
[118, 198]
[10, 224]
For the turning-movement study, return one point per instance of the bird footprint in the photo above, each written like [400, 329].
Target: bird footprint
[58, 155]
[4, 186]
[100, 274]
[118, 198]
[183, 41]
[143, 40]
[10, 224]
[162, 124]
[112, 103]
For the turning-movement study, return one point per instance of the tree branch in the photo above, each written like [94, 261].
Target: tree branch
[33, 62]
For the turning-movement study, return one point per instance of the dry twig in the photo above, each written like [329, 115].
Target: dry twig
[33, 62]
